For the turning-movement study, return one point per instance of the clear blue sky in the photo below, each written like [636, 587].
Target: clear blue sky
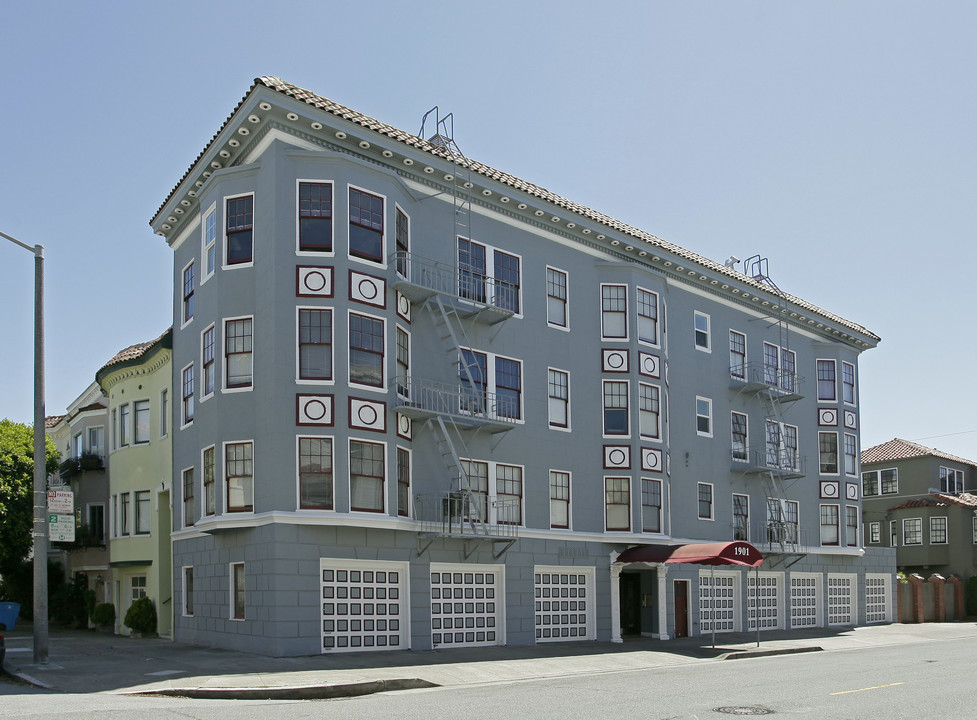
[835, 138]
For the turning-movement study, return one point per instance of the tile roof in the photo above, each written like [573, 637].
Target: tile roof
[898, 449]
[132, 352]
[334, 108]
[51, 420]
[939, 500]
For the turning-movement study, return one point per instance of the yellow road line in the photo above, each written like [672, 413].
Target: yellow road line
[874, 687]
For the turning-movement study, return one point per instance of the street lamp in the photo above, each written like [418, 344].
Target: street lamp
[40, 461]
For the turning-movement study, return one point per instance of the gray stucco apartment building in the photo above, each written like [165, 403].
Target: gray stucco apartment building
[423, 403]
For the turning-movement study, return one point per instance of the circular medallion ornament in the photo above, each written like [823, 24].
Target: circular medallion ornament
[315, 410]
[368, 289]
[367, 414]
[314, 281]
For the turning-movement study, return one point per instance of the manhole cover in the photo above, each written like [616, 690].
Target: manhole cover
[751, 710]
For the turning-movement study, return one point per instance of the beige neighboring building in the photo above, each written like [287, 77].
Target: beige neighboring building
[80, 436]
[137, 383]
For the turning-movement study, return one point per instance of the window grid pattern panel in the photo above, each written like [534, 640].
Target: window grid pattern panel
[877, 598]
[363, 607]
[765, 593]
[805, 592]
[562, 605]
[466, 606]
[717, 602]
[841, 599]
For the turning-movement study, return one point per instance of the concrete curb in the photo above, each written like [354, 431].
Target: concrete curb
[741, 654]
[310, 692]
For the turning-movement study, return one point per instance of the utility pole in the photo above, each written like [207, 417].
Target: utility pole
[40, 534]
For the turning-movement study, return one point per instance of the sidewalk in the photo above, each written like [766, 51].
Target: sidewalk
[89, 662]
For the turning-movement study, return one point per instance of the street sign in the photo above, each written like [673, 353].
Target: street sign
[61, 528]
[61, 502]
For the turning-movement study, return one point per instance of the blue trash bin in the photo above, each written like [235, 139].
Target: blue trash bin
[8, 614]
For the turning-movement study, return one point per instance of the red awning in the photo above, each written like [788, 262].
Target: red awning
[718, 553]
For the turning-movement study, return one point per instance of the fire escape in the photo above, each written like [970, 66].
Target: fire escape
[460, 299]
[774, 383]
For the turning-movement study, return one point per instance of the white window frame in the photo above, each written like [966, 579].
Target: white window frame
[185, 299]
[630, 526]
[205, 246]
[382, 262]
[225, 265]
[660, 506]
[402, 384]
[707, 415]
[603, 315]
[743, 371]
[398, 449]
[382, 388]
[875, 533]
[298, 473]
[852, 541]
[698, 316]
[817, 380]
[398, 211]
[491, 489]
[657, 433]
[656, 341]
[627, 408]
[946, 530]
[183, 497]
[488, 278]
[204, 395]
[550, 399]
[905, 524]
[951, 478]
[149, 421]
[384, 481]
[565, 327]
[854, 383]
[204, 512]
[224, 478]
[851, 458]
[712, 501]
[739, 454]
[491, 383]
[839, 454]
[568, 501]
[837, 526]
[332, 346]
[332, 218]
[164, 412]
[137, 514]
[224, 357]
[734, 515]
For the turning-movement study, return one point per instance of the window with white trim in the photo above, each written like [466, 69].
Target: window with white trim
[164, 412]
[875, 533]
[365, 225]
[188, 290]
[488, 275]
[851, 454]
[647, 313]
[938, 531]
[973, 529]
[189, 508]
[880, 482]
[144, 515]
[503, 383]
[238, 348]
[616, 407]
[208, 341]
[827, 388]
[366, 350]
[614, 312]
[125, 429]
[140, 427]
[367, 475]
[705, 500]
[651, 505]
[851, 525]
[703, 416]
[315, 217]
[912, 531]
[741, 517]
[508, 494]
[779, 367]
[239, 476]
[314, 344]
[187, 592]
[740, 447]
[893, 533]
[737, 355]
[403, 363]
[209, 241]
[238, 604]
[239, 231]
[315, 473]
[559, 499]
[208, 460]
[828, 453]
[403, 481]
[829, 525]
[402, 241]
[701, 323]
[848, 383]
[617, 503]
[558, 390]
[556, 298]
[649, 411]
[951, 480]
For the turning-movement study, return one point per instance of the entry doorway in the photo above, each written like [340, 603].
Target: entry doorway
[681, 608]
[630, 586]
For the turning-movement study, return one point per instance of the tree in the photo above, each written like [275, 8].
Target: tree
[17, 488]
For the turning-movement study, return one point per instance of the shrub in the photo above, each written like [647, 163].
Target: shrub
[103, 614]
[141, 616]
